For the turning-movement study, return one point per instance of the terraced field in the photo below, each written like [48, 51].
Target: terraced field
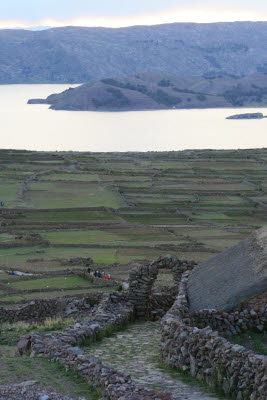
[117, 207]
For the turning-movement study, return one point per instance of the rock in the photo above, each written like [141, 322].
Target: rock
[193, 370]
[125, 285]
[24, 344]
[44, 397]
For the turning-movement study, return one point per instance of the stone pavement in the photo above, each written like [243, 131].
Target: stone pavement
[135, 351]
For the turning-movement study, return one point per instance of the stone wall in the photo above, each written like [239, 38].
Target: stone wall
[113, 311]
[161, 299]
[177, 267]
[189, 343]
[142, 278]
[39, 310]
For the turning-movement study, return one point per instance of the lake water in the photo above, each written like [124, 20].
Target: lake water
[35, 127]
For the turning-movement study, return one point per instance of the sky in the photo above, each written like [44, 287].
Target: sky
[119, 13]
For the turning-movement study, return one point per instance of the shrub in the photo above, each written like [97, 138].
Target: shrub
[162, 97]
[201, 97]
[164, 83]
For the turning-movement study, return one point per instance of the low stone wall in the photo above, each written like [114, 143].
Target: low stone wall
[186, 344]
[161, 299]
[39, 310]
[114, 310]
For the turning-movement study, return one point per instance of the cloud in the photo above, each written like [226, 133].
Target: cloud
[203, 15]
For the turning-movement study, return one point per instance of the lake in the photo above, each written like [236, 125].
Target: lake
[35, 127]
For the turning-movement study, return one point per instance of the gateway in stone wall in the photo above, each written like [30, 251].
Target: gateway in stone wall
[231, 277]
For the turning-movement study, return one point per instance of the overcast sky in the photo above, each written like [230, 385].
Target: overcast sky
[127, 12]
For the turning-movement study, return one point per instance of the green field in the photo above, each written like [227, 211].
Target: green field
[68, 195]
[118, 207]
[51, 283]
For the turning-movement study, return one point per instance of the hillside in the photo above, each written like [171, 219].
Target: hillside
[76, 54]
[154, 92]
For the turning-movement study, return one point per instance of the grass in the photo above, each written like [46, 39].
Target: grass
[70, 177]
[11, 333]
[65, 216]
[8, 257]
[51, 283]
[68, 195]
[189, 379]
[253, 340]
[8, 193]
[5, 237]
[212, 190]
[10, 300]
[51, 376]
[81, 237]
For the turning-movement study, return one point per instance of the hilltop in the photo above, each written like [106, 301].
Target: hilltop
[77, 54]
[154, 92]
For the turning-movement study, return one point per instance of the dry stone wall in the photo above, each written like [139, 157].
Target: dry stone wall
[177, 267]
[114, 310]
[142, 278]
[189, 343]
[31, 390]
[190, 340]
[39, 310]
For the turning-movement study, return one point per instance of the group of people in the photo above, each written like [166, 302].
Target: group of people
[98, 274]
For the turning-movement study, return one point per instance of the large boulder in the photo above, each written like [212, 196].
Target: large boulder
[232, 276]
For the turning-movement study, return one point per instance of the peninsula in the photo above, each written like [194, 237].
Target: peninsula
[247, 116]
[160, 92]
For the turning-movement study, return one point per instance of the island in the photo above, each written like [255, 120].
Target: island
[247, 116]
[146, 91]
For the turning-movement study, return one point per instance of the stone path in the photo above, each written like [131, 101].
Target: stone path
[136, 351]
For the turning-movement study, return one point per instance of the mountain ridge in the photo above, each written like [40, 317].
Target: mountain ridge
[78, 54]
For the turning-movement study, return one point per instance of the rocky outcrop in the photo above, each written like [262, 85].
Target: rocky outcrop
[232, 276]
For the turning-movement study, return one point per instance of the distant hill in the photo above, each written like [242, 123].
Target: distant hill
[76, 54]
[153, 92]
